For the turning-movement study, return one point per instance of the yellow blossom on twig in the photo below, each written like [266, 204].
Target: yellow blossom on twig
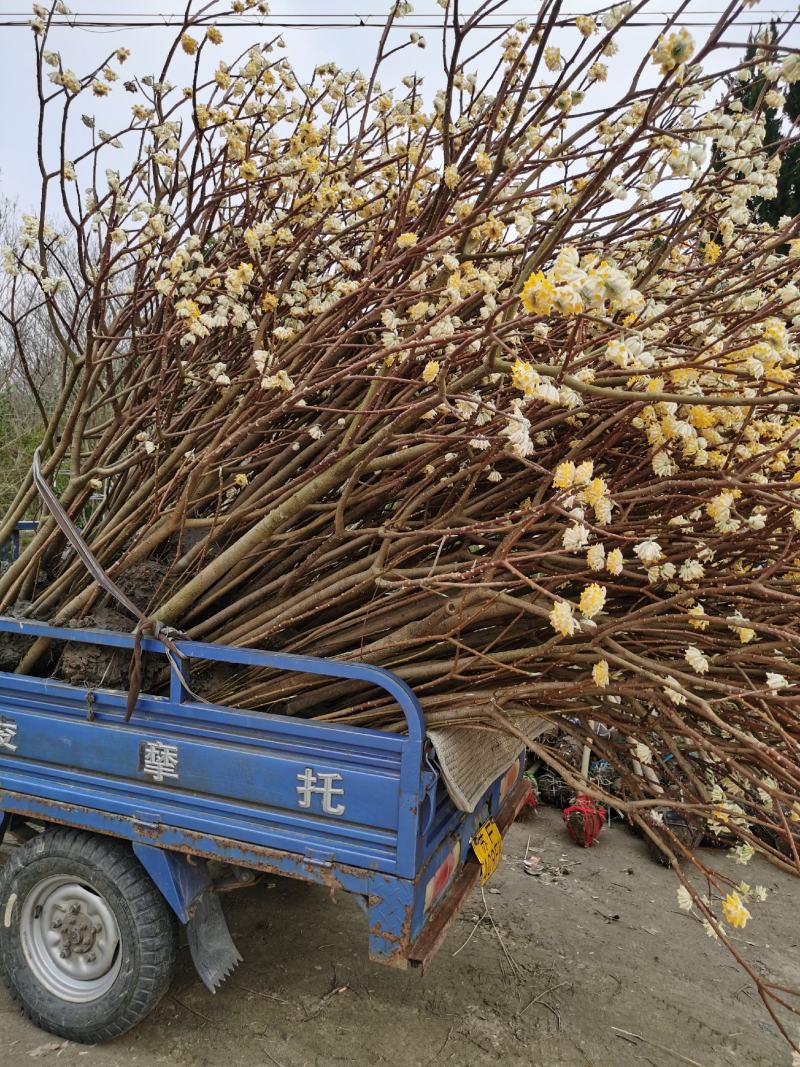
[592, 600]
[431, 371]
[600, 673]
[734, 911]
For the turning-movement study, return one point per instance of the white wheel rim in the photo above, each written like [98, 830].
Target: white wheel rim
[70, 939]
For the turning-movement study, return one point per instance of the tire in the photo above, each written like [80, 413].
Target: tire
[87, 942]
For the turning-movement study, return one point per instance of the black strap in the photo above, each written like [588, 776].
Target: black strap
[158, 629]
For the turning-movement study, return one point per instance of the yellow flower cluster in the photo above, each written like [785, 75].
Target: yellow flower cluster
[573, 288]
[593, 599]
[562, 618]
[734, 911]
[673, 50]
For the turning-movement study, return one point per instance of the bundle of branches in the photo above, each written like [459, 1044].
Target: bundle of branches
[497, 389]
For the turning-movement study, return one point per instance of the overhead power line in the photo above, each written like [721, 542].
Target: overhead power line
[332, 22]
[252, 15]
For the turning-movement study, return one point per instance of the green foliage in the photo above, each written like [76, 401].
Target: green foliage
[19, 436]
[779, 126]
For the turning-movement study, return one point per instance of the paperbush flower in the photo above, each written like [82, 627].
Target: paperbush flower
[734, 911]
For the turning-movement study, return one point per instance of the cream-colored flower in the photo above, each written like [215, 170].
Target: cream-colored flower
[696, 660]
[743, 853]
[776, 681]
[685, 902]
[562, 619]
[586, 25]
[643, 753]
[564, 478]
[673, 50]
[431, 371]
[600, 673]
[648, 551]
[451, 176]
[734, 911]
[614, 561]
[596, 557]
[592, 600]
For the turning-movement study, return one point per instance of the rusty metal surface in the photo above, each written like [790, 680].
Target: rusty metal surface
[427, 944]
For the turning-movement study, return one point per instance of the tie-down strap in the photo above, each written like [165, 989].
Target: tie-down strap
[144, 624]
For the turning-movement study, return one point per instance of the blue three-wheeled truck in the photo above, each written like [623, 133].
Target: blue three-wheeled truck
[120, 817]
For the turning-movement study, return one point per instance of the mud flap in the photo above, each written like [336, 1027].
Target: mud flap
[210, 942]
[185, 882]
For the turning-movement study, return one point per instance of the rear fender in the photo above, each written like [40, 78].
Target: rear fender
[185, 883]
[181, 879]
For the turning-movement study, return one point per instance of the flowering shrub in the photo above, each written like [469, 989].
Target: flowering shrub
[496, 389]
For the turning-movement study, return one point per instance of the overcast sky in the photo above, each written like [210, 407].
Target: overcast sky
[354, 47]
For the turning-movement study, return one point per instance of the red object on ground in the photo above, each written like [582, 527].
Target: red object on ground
[529, 806]
[584, 820]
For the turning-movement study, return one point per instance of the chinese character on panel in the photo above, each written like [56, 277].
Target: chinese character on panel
[321, 784]
[8, 731]
[158, 761]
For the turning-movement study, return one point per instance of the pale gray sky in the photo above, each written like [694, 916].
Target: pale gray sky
[354, 47]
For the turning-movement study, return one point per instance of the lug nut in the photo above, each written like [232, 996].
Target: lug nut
[65, 952]
[98, 927]
[56, 923]
[74, 909]
[91, 957]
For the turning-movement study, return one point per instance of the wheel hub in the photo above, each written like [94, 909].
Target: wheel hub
[71, 939]
[77, 932]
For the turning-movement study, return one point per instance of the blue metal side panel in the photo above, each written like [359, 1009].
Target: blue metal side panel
[210, 782]
[329, 792]
[387, 900]
[210, 846]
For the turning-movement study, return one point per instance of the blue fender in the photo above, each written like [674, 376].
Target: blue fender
[181, 879]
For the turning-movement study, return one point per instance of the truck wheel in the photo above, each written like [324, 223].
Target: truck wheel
[87, 942]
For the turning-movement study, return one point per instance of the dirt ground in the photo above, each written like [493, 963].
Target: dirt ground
[573, 962]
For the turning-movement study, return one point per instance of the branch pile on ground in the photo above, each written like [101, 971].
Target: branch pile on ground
[496, 389]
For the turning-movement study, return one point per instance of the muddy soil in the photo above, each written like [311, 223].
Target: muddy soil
[142, 583]
[96, 666]
[573, 962]
[101, 667]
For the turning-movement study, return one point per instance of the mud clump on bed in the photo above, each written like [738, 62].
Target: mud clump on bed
[142, 583]
[93, 666]
[12, 648]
